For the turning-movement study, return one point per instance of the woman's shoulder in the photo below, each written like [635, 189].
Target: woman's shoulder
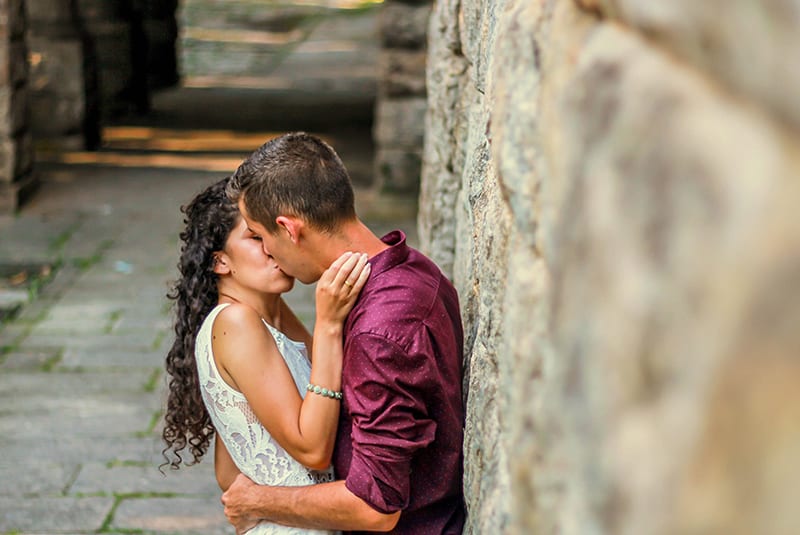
[238, 318]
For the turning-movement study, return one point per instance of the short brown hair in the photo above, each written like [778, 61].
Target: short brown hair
[296, 174]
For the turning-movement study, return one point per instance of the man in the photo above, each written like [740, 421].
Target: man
[398, 455]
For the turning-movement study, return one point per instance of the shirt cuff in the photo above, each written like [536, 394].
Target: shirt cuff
[386, 495]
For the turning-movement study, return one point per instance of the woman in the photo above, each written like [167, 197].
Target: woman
[235, 365]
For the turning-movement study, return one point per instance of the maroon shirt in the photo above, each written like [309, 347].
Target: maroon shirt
[399, 443]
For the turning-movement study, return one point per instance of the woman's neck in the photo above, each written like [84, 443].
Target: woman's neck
[268, 306]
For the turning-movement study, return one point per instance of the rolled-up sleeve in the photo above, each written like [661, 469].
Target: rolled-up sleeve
[386, 401]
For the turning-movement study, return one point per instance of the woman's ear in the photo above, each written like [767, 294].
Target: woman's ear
[293, 226]
[220, 264]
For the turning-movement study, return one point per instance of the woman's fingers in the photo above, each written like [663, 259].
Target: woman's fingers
[330, 274]
[331, 277]
[352, 276]
[362, 278]
[339, 286]
[345, 277]
[348, 271]
[354, 280]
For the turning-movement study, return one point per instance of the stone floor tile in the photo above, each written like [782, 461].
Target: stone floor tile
[145, 478]
[54, 515]
[29, 476]
[29, 361]
[171, 515]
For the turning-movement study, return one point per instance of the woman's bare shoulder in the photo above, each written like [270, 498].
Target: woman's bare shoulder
[238, 319]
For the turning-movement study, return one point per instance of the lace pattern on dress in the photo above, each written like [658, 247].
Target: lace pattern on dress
[255, 452]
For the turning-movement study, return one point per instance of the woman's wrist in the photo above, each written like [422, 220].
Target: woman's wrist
[329, 327]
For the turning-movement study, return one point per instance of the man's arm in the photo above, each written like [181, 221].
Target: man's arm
[323, 506]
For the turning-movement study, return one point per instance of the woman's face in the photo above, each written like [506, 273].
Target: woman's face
[250, 265]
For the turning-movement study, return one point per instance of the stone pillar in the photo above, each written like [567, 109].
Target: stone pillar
[16, 154]
[62, 76]
[117, 30]
[401, 103]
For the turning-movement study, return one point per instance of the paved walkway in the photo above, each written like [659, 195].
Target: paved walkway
[81, 362]
[84, 322]
[81, 382]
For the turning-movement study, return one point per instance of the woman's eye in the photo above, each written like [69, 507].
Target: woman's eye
[257, 238]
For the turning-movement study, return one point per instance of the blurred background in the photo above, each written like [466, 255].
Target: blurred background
[612, 185]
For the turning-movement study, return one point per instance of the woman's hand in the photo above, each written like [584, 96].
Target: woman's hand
[339, 286]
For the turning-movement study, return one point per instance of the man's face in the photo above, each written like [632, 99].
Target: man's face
[289, 255]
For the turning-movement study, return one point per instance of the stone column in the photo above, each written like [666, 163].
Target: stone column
[401, 103]
[16, 154]
[116, 28]
[62, 76]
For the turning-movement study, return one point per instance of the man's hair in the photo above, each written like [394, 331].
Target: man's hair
[294, 174]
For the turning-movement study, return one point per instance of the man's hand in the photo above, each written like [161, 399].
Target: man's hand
[239, 501]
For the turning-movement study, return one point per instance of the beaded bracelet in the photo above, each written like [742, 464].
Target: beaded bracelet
[323, 391]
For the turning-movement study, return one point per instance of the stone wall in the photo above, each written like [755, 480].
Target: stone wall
[17, 177]
[613, 185]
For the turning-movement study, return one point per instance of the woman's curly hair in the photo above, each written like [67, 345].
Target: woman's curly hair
[209, 219]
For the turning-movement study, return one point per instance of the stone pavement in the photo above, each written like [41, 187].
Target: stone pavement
[81, 362]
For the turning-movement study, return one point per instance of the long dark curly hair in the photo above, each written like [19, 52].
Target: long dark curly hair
[209, 219]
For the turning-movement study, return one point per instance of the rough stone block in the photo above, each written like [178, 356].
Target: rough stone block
[745, 44]
[404, 25]
[57, 84]
[5, 67]
[48, 12]
[402, 72]
[246, 15]
[399, 122]
[57, 66]
[13, 110]
[8, 156]
[398, 171]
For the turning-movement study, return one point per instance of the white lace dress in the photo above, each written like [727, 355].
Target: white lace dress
[255, 452]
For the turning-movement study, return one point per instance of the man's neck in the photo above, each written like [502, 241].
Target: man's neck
[352, 236]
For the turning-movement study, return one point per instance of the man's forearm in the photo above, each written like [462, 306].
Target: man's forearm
[323, 506]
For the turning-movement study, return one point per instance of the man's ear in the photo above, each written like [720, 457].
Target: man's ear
[293, 226]
[220, 264]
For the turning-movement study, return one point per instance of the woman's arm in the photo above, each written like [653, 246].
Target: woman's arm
[224, 467]
[247, 353]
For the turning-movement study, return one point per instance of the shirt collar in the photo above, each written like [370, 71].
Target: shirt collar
[394, 255]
